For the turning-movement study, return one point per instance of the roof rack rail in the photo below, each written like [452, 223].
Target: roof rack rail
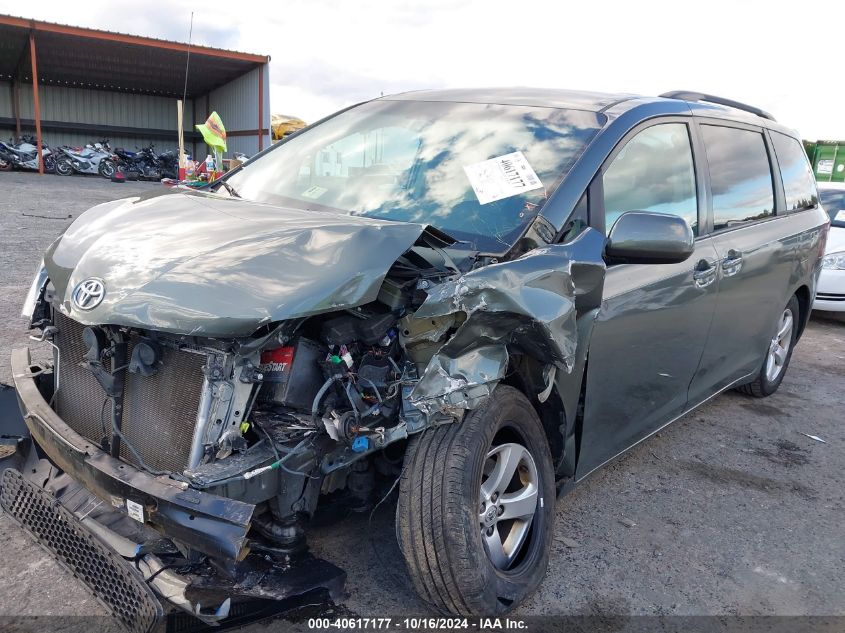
[688, 95]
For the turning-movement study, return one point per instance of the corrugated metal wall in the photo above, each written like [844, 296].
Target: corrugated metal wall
[100, 107]
[94, 107]
[6, 99]
[237, 105]
[235, 102]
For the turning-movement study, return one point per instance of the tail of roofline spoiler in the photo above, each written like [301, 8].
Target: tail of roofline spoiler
[688, 95]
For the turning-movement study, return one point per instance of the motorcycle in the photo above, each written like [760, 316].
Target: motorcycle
[146, 164]
[24, 155]
[91, 159]
[169, 163]
[138, 165]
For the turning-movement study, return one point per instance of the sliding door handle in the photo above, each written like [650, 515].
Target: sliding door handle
[732, 264]
[704, 273]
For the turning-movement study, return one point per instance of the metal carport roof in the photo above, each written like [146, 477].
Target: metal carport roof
[38, 52]
[88, 58]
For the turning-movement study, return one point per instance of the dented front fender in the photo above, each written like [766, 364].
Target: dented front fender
[529, 305]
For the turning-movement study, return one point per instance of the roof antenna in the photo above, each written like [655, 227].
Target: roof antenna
[188, 60]
[181, 104]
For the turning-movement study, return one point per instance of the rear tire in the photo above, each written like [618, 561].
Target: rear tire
[64, 167]
[778, 354]
[459, 510]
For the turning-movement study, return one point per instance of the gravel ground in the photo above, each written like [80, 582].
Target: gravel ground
[730, 511]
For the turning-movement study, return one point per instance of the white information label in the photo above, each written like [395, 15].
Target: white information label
[502, 177]
[825, 166]
[135, 511]
[314, 192]
[840, 216]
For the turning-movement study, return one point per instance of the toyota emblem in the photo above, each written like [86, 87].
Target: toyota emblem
[89, 294]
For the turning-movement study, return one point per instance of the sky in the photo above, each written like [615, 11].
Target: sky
[329, 54]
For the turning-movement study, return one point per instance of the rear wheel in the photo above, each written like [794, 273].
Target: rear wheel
[64, 167]
[475, 511]
[778, 353]
[49, 164]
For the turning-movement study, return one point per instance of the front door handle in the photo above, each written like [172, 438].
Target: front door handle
[732, 264]
[704, 273]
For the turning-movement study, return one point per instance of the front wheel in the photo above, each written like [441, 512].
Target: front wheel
[49, 164]
[475, 512]
[778, 354]
[64, 167]
[106, 168]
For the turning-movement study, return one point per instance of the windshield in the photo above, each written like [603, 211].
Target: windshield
[833, 201]
[479, 172]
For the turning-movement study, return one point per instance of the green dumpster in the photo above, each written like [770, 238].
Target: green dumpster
[828, 160]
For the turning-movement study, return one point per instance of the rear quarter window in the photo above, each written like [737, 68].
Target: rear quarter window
[799, 185]
[740, 175]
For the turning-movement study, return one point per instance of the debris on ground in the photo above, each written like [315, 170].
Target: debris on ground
[813, 437]
[568, 542]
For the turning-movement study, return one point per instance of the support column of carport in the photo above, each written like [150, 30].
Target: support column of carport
[36, 102]
[260, 107]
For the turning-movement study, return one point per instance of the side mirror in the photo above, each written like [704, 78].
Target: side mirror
[644, 237]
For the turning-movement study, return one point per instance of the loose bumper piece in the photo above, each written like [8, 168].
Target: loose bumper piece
[117, 585]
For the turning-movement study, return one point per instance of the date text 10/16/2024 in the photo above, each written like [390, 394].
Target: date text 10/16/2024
[418, 624]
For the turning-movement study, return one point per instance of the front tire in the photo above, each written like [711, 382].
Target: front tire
[106, 168]
[476, 504]
[778, 353]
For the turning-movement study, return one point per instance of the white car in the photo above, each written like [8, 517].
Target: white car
[830, 293]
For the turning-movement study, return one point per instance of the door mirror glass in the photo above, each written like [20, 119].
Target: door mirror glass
[644, 237]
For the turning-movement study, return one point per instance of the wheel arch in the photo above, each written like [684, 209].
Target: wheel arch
[805, 305]
[525, 374]
[561, 413]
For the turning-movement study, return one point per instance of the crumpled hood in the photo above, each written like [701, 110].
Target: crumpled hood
[205, 265]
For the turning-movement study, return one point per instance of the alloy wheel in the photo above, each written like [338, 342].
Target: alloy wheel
[64, 167]
[779, 346]
[106, 168]
[508, 500]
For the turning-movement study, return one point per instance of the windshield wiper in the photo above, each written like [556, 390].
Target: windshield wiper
[232, 191]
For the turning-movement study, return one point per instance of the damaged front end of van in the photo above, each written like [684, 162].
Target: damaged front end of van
[222, 370]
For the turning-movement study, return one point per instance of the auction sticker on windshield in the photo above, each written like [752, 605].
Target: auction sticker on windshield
[502, 177]
[314, 192]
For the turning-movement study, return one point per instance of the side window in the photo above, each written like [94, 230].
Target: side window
[740, 175]
[653, 172]
[799, 184]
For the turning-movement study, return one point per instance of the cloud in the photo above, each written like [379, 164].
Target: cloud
[327, 54]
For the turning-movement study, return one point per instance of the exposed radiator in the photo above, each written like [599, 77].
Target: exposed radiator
[159, 412]
[80, 401]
